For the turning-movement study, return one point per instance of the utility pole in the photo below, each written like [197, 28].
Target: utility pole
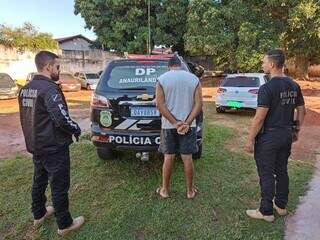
[149, 26]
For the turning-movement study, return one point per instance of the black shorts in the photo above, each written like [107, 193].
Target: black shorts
[174, 143]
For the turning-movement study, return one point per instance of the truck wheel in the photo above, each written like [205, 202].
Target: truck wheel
[198, 154]
[88, 87]
[105, 153]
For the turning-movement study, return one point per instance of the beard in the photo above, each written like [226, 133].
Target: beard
[54, 77]
[266, 71]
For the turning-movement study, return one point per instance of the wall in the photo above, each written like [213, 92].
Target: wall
[313, 70]
[75, 44]
[93, 60]
[18, 65]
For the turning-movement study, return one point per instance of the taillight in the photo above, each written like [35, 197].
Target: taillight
[99, 101]
[254, 91]
[221, 90]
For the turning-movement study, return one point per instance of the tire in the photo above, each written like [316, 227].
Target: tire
[105, 153]
[198, 154]
[220, 110]
[88, 87]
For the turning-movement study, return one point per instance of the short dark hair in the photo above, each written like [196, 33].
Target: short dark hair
[174, 61]
[43, 58]
[277, 56]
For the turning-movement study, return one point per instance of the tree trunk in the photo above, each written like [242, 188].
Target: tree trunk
[301, 67]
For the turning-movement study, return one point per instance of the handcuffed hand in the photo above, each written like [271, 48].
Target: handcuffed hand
[183, 129]
[178, 124]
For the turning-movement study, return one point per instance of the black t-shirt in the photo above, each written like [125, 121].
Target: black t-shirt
[281, 95]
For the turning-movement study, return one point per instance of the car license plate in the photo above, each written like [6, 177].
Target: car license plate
[234, 104]
[144, 112]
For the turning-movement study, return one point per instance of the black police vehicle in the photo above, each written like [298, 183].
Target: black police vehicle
[123, 109]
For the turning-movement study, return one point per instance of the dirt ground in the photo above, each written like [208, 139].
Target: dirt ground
[12, 140]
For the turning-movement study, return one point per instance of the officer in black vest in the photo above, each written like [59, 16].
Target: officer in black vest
[48, 131]
[275, 126]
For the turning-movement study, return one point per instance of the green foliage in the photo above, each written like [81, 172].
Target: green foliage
[302, 36]
[122, 25]
[26, 38]
[170, 23]
[237, 33]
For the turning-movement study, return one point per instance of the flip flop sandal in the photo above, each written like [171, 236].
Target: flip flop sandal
[195, 192]
[158, 192]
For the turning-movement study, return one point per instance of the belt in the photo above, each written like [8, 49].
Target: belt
[278, 128]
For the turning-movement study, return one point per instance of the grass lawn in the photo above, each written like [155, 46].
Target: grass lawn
[118, 201]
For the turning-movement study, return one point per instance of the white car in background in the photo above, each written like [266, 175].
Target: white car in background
[87, 80]
[239, 91]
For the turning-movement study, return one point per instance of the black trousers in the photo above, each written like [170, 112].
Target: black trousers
[55, 168]
[272, 150]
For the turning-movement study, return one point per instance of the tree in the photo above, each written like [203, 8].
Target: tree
[233, 32]
[301, 38]
[298, 30]
[122, 25]
[171, 17]
[26, 37]
[237, 33]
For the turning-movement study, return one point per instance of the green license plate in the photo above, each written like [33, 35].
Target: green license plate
[234, 104]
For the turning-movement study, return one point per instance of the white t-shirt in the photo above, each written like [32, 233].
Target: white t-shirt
[179, 89]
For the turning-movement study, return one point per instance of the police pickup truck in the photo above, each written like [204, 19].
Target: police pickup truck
[123, 109]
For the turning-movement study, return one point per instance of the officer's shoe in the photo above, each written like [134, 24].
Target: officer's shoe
[280, 211]
[50, 211]
[256, 214]
[76, 224]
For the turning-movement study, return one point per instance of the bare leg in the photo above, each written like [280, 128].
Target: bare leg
[188, 172]
[166, 173]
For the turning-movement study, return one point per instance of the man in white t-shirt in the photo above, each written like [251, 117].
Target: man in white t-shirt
[179, 100]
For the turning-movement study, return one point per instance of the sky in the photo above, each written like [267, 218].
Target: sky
[51, 16]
